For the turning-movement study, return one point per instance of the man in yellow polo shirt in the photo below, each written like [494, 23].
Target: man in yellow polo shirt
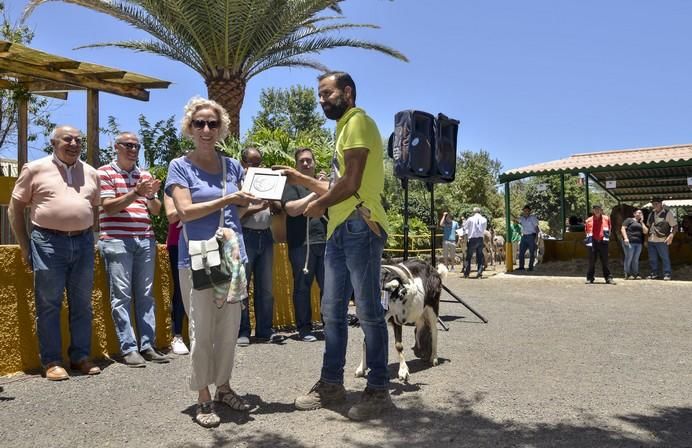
[356, 235]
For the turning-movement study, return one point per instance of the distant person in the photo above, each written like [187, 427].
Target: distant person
[306, 244]
[177, 308]
[196, 184]
[128, 248]
[449, 239]
[475, 227]
[633, 231]
[662, 228]
[529, 237]
[63, 193]
[259, 243]
[597, 235]
[575, 224]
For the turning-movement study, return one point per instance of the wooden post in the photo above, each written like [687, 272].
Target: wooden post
[92, 130]
[509, 256]
[23, 132]
[562, 204]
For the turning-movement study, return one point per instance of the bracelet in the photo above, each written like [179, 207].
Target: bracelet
[150, 198]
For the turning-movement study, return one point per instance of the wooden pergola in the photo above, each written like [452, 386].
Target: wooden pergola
[39, 73]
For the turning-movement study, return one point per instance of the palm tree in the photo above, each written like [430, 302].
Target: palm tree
[230, 41]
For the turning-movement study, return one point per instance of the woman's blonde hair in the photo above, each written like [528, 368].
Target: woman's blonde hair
[197, 103]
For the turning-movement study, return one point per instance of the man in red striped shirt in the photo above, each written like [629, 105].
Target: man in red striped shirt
[128, 248]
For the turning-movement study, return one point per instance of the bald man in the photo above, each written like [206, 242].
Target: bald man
[63, 194]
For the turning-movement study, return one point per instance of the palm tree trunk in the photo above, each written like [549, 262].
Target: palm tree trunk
[229, 93]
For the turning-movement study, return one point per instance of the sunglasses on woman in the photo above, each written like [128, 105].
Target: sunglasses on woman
[199, 124]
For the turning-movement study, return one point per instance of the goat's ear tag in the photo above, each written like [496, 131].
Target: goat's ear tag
[384, 300]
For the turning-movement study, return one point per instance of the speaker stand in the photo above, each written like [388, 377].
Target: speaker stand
[433, 227]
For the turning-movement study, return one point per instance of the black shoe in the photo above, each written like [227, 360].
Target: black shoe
[589, 281]
[610, 281]
[520, 269]
[152, 355]
[530, 269]
[134, 359]
[652, 277]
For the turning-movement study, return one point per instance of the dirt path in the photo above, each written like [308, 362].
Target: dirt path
[559, 364]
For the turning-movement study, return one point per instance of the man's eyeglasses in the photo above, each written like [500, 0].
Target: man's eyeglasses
[199, 124]
[69, 139]
[129, 145]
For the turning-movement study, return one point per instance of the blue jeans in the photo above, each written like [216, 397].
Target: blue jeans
[527, 242]
[302, 283]
[130, 269]
[177, 308]
[63, 262]
[475, 246]
[657, 250]
[259, 246]
[632, 253]
[353, 256]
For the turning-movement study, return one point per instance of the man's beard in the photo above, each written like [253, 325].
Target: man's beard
[335, 110]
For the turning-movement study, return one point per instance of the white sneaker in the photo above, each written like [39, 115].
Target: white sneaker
[178, 346]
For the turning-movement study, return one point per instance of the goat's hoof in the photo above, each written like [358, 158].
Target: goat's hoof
[403, 375]
[360, 373]
[435, 361]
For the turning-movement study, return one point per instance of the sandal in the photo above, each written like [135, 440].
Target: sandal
[205, 416]
[232, 400]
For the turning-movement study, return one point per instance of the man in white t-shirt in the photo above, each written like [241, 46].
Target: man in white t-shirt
[475, 227]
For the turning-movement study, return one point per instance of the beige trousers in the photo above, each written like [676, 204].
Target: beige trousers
[213, 334]
[449, 252]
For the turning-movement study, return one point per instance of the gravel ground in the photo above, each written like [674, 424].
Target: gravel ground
[560, 364]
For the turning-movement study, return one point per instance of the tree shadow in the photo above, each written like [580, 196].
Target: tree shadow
[453, 422]
[415, 424]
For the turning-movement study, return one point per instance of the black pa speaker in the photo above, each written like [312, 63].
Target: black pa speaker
[412, 144]
[446, 131]
[423, 147]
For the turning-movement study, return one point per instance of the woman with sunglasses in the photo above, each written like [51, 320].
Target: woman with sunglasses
[195, 184]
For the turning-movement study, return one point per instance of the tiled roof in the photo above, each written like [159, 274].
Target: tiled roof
[600, 161]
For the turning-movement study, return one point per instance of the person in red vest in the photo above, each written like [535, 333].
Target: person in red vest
[597, 228]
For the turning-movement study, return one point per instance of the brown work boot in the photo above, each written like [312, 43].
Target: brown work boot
[56, 372]
[86, 367]
[321, 395]
[373, 403]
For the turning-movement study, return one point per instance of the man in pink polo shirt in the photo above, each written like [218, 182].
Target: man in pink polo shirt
[128, 248]
[63, 193]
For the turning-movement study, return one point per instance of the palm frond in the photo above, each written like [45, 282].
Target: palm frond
[293, 62]
[179, 54]
[317, 45]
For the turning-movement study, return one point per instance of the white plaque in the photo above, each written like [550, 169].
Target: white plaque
[611, 184]
[689, 181]
[541, 187]
[264, 183]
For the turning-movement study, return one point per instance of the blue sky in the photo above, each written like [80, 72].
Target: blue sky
[530, 80]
